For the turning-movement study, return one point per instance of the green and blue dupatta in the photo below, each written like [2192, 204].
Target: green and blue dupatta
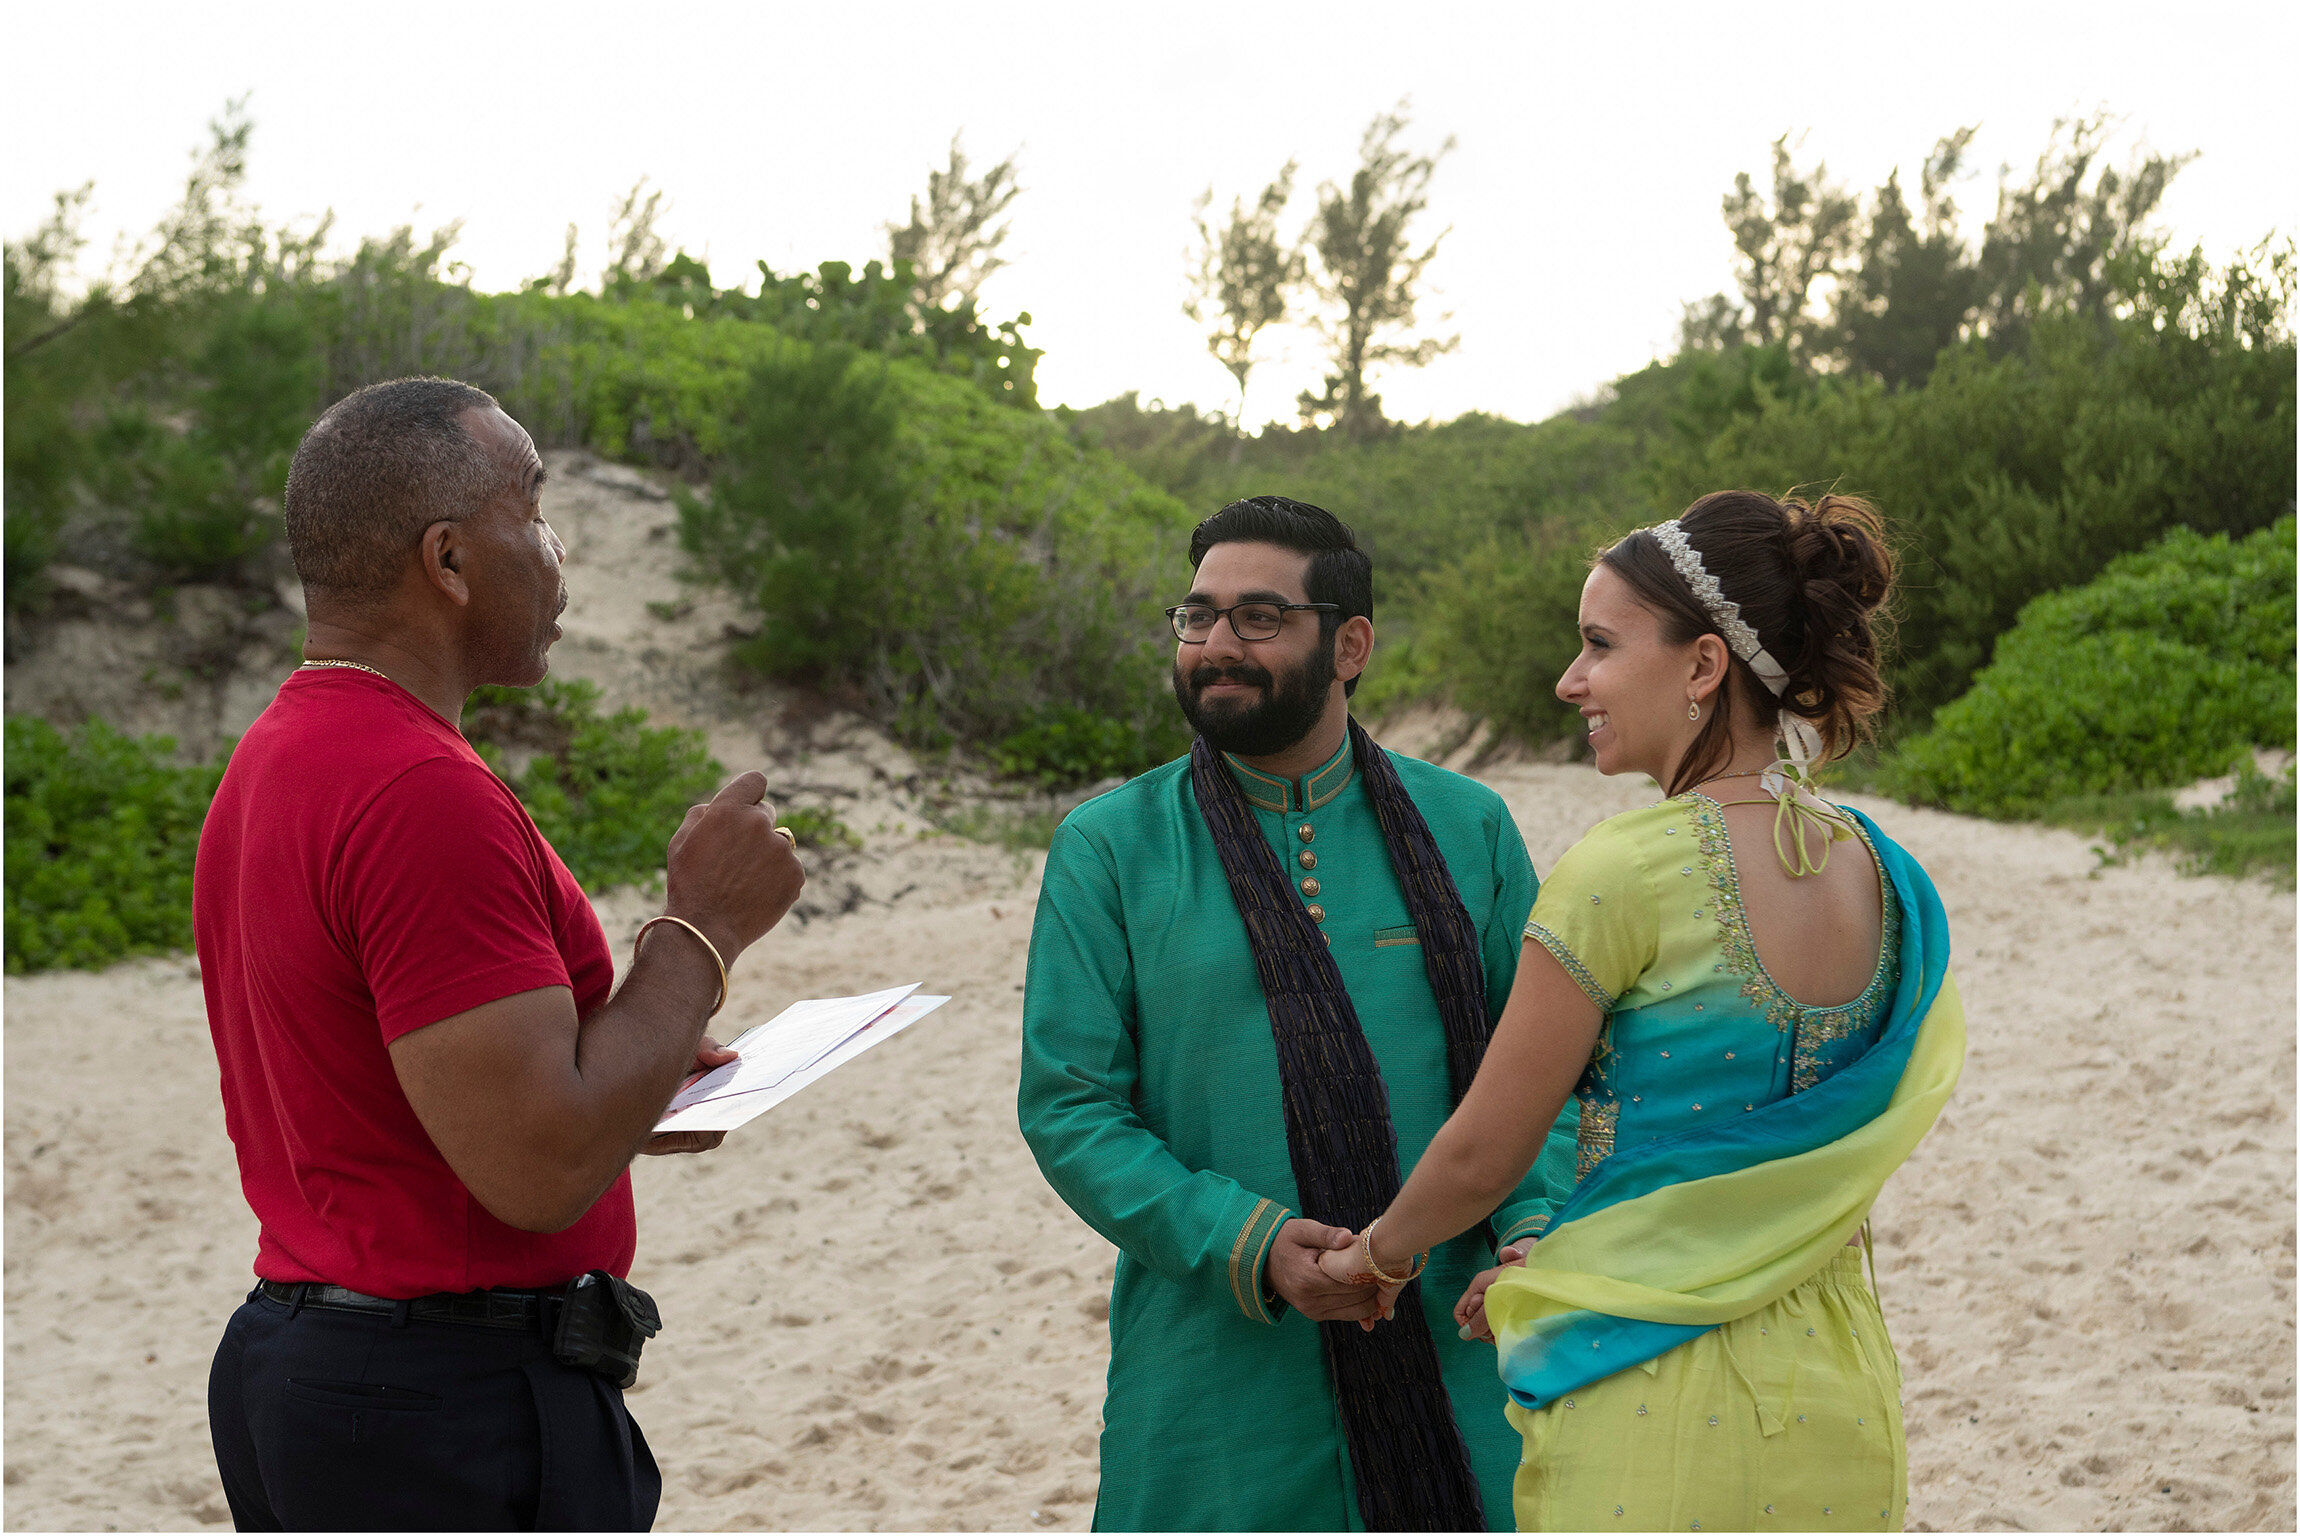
[1662, 1242]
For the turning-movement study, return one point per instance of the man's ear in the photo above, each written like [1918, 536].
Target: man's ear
[1353, 646]
[442, 554]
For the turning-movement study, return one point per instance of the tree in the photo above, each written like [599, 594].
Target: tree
[1367, 275]
[1914, 288]
[1901, 284]
[635, 249]
[1784, 247]
[952, 241]
[2065, 228]
[1241, 277]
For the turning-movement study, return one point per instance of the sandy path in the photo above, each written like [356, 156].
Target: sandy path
[880, 1318]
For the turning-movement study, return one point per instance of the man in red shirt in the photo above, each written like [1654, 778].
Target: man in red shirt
[433, 1095]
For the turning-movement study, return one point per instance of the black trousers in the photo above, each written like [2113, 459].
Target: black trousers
[335, 1421]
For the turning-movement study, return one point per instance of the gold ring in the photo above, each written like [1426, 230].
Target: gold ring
[788, 836]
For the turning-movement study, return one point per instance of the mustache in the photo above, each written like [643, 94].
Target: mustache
[1204, 676]
[564, 595]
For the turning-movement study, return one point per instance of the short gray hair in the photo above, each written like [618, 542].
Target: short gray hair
[380, 466]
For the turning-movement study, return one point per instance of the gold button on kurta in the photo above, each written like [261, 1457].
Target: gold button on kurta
[1309, 886]
[1306, 832]
[1317, 913]
[1307, 859]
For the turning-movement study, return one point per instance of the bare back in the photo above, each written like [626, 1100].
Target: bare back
[1819, 936]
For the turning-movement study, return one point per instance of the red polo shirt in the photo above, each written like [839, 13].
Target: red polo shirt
[362, 874]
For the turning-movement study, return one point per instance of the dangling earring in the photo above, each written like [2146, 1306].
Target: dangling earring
[1693, 710]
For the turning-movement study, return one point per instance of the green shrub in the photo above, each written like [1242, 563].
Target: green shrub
[606, 791]
[2167, 668]
[1070, 747]
[101, 833]
[1502, 626]
[963, 568]
[815, 827]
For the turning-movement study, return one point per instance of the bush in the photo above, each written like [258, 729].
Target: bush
[101, 833]
[962, 567]
[606, 791]
[1071, 747]
[2168, 668]
[815, 827]
[1502, 626]
[2011, 474]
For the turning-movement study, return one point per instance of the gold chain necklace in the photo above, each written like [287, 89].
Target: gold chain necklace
[356, 666]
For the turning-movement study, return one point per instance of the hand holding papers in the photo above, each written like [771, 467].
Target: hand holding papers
[806, 1041]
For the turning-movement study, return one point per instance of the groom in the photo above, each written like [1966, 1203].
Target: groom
[1260, 979]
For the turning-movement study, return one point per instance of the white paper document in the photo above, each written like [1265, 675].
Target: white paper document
[798, 1046]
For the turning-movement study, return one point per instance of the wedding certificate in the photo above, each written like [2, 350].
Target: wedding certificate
[803, 1043]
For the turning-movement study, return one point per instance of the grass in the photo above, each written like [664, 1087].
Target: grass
[1017, 832]
[2250, 832]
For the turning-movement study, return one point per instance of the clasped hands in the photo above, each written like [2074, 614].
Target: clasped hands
[1314, 1269]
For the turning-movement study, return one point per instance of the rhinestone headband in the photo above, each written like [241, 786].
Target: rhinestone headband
[1723, 611]
[1797, 734]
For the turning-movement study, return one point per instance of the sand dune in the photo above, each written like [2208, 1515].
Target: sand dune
[878, 1317]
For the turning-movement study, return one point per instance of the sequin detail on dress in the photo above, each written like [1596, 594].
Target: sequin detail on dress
[1814, 1028]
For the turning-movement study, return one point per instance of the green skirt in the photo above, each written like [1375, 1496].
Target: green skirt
[1788, 1419]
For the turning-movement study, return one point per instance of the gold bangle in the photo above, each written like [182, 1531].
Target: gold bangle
[1413, 1271]
[641, 938]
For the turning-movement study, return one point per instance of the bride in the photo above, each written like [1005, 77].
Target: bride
[1746, 987]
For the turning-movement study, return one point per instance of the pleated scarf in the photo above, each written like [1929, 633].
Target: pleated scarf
[1412, 1466]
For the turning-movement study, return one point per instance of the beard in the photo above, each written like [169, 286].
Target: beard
[1290, 707]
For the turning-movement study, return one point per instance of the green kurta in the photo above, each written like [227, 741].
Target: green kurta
[1150, 1095]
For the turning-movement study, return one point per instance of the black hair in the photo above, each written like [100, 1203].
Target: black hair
[378, 467]
[1340, 572]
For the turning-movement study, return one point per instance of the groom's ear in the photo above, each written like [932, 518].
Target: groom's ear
[1353, 647]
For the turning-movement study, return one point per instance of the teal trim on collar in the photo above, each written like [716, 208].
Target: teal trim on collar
[1268, 793]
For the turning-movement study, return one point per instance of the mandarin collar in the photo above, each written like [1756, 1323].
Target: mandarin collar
[1314, 789]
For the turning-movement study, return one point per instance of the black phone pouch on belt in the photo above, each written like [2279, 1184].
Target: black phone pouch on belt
[603, 1324]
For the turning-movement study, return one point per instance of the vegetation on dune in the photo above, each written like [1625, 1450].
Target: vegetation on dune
[2171, 665]
[101, 831]
[606, 791]
[2082, 439]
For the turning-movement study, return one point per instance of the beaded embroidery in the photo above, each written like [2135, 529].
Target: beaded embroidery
[1593, 1143]
[1572, 963]
[1815, 1028]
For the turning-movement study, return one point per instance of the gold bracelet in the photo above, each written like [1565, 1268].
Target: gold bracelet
[641, 938]
[1366, 1240]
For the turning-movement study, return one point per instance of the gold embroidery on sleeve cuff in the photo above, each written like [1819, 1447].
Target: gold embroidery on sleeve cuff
[1531, 1226]
[1572, 963]
[1246, 1275]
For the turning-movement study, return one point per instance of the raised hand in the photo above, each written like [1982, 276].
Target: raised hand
[1469, 1312]
[727, 871]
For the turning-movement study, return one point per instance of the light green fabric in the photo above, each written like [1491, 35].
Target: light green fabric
[1150, 1097]
[1791, 1416]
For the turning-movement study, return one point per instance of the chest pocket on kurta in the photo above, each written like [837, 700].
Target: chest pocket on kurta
[1404, 933]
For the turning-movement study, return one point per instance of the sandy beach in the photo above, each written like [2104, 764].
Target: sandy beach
[879, 1317]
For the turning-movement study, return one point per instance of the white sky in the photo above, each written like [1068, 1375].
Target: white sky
[1595, 142]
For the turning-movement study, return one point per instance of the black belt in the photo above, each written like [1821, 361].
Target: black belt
[521, 1310]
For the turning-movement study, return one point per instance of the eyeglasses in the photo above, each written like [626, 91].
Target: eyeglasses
[1194, 622]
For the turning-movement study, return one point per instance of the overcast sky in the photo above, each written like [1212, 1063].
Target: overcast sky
[1594, 142]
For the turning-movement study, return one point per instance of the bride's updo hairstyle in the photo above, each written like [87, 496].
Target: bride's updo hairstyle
[1812, 581]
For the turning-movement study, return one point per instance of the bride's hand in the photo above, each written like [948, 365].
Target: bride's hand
[1469, 1312]
[1348, 1265]
[1342, 1264]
